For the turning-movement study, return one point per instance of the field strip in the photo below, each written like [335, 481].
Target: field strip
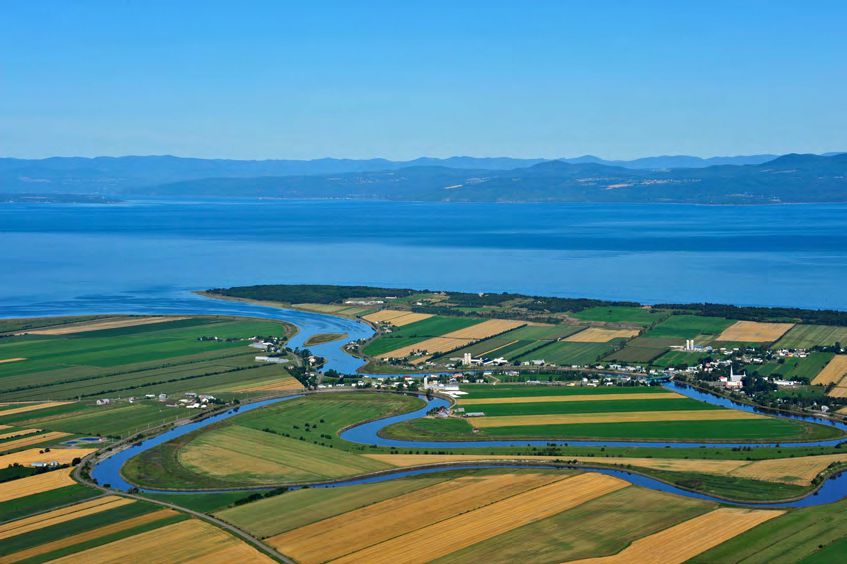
[187, 541]
[32, 407]
[30, 485]
[339, 535]
[457, 339]
[34, 440]
[586, 397]
[598, 335]
[88, 536]
[754, 332]
[442, 538]
[280, 384]
[30, 456]
[385, 315]
[797, 470]
[834, 371]
[409, 318]
[19, 433]
[618, 417]
[62, 515]
[689, 538]
[100, 325]
[5, 360]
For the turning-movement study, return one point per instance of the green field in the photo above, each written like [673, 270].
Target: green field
[44, 501]
[808, 336]
[622, 314]
[476, 391]
[793, 367]
[810, 532]
[598, 406]
[689, 327]
[520, 341]
[417, 332]
[565, 353]
[166, 357]
[642, 350]
[679, 358]
[296, 440]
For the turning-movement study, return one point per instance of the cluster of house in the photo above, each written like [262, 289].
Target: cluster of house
[191, 400]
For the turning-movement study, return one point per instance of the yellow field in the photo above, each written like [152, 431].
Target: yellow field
[440, 539]
[799, 470]
[396, 317]
[283, 384]
[457, 339]
[598, 335]
[58, 455]
[62, 515]
[31, 407]
[12, 445]
[619, 417]
[339, 535]
[23, 487]
[18, 433]
[187, 541]
[100, 325]
[754, 332]
[88, 536]
[588, 397]
[690, 538]
[5, 360]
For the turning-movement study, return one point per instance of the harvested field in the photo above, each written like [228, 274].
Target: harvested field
[754, 332]
[798, 470]
[34, 440]
[19, 433]
[31, 407]
[598, 335]
[284, 384]
[690, 538]
[59, 455]
[342, 534]
[187, 541]
[5, 360]
[586, 397]
[834, 371]
[70, 329]
[23, 487]
[89, 535]
[808, 336]
[396, 317]
[456, 339]
[62, 515]
[617, 417]
[456, 533]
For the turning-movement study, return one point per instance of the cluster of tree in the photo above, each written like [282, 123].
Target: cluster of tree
[308, 293]
[787, 314]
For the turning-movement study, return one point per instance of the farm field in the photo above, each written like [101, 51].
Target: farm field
[485, 391]
[416, 333]
[621, 314]
[642, 350]
[100, 324]
[453, 340]
[808, 336]
[517, 342]
[808, 367]
[754, 332]
[690, 327]
[396, 317]
[678, 358]
[835, 373]
[600, 335]
[264, 446]
[565, 353]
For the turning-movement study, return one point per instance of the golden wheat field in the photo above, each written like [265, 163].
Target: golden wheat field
[31, 407]
[554, 399]
[88, 536]
[834, 371]
[5, 360]
[690, 538]
[610, 417]
[457, 339]
[339, 535]
[600, 335]
[396, 317]
[754, 332]
[284, 384]
[30, 456]
[471, 527]
[100, 325]
[23, 487]
[18, 433]
[34, 440]
[62, 515]
[186, 541]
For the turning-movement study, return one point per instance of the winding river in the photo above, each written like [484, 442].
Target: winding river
[107, 470]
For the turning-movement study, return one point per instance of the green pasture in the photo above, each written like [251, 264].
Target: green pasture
[525, 390]
[622, 314]
[416, 332]
[689, 326]
[596, 406]
[808, 367]
[565, 353]
[808, 336]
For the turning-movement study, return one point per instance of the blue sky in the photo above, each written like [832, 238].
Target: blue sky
[249, 79]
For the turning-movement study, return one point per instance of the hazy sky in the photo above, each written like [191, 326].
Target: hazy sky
[401, 79]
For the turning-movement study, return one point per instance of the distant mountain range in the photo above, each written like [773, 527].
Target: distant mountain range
[740, 179]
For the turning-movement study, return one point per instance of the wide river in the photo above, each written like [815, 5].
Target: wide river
[133, 256]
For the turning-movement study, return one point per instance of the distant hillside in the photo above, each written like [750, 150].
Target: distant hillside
[790, 178]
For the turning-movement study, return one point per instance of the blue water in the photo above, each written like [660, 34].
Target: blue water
[68, 258]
